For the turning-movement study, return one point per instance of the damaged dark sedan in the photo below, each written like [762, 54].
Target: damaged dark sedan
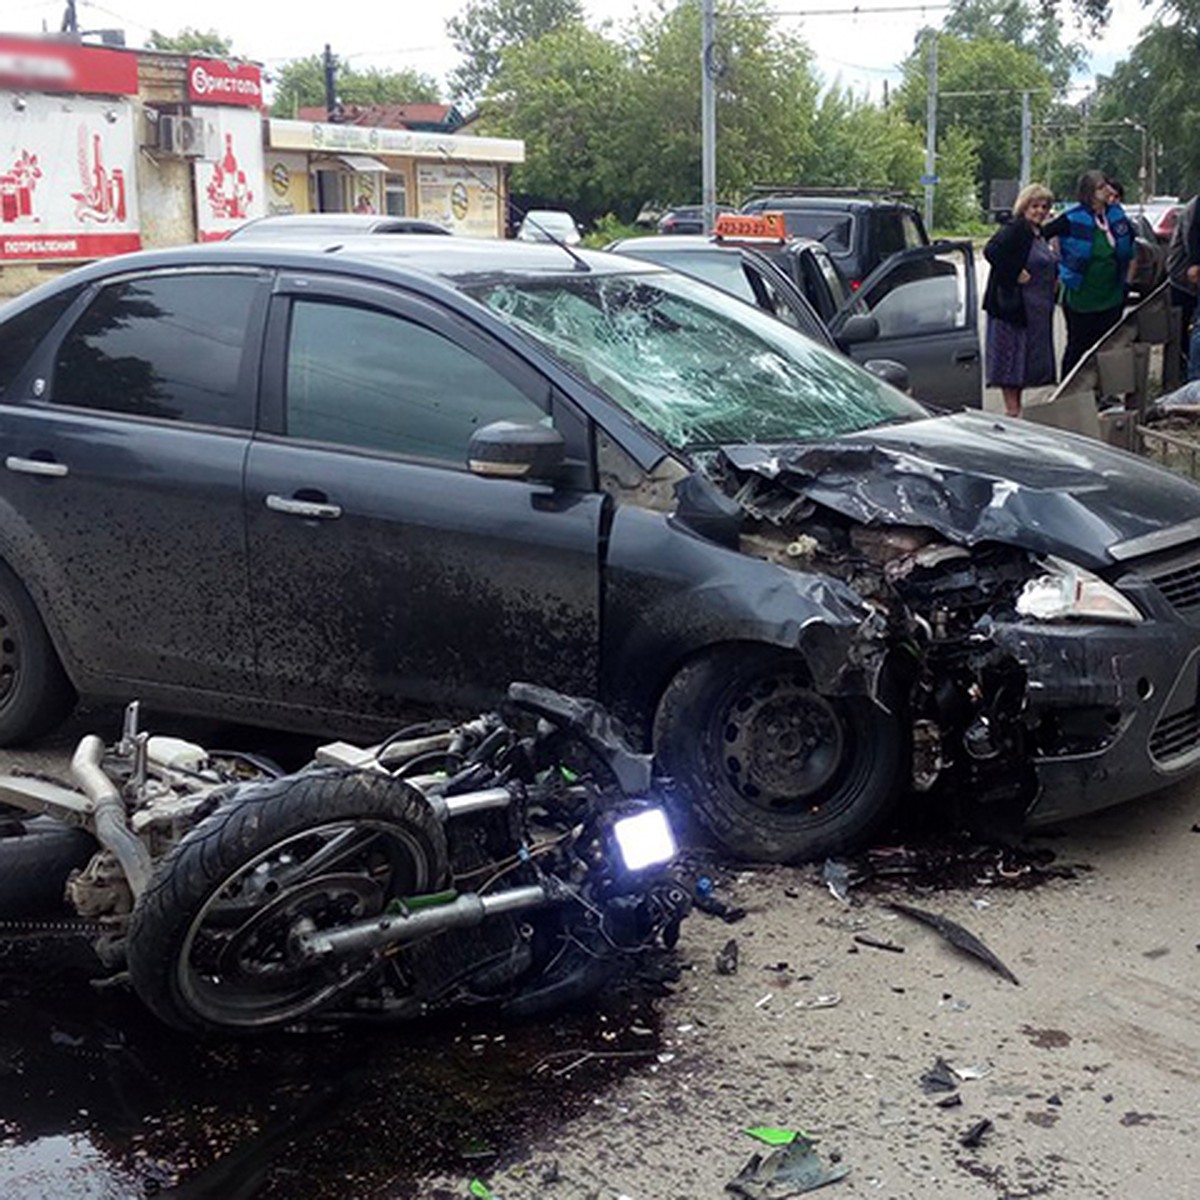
[308, 488]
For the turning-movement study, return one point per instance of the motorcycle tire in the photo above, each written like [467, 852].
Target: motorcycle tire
[209, 946]
[36, 856]
[772, 769]
[35, 693]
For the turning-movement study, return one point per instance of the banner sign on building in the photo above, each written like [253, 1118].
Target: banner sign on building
[229, 187]
[461, 199]
[211, 81]
[48, 66]
[67, 188]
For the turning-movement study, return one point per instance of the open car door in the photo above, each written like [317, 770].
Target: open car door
[926, 302]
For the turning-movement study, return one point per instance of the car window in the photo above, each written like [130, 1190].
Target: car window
[833, 229]
[693, 364]
[169, 346]
[20, 335]
[889, 234]
[912, 232]
[926, 295]
[369, 379]
[721, 268]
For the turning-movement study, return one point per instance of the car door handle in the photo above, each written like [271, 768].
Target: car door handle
[304, 508]
[35, 466]
[966, 356]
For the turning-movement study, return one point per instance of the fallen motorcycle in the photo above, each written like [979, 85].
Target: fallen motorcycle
[514, 860]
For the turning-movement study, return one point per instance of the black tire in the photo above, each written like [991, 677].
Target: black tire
[35, 693]
[208, 942]
[36, 856]
[773, 770]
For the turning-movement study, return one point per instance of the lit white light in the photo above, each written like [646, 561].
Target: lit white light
[645, 840]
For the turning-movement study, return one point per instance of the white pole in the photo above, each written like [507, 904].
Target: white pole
[708, 117]
[931, 39]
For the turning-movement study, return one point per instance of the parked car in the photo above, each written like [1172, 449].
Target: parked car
[686, 218]
[1161, 213]
[324, 225]
[313, 486]
[921, 304]
[859, 231]
[548, 225]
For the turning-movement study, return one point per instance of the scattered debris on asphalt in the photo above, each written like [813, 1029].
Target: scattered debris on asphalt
[939, 1078]
[790, 1169]
[954, 1100]
[957, 936]
[836, 877]
[832, 1000]
[727, 958]
[865, 939]
[973, 1137]
[705, 899]
[481, 1191]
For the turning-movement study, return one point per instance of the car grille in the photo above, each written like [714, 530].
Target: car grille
[1175, 736]
[1180, 585]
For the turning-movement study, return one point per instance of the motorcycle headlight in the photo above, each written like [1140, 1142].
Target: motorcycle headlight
[645, 839]
[1064, 592]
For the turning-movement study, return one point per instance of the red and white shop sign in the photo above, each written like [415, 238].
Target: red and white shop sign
[67, 188]
[211, 81]
[47, 66]
[229, 188]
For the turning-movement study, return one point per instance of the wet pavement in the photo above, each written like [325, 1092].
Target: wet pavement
[100, 1102]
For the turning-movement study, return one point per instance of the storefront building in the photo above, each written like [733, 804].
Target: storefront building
[455, 180]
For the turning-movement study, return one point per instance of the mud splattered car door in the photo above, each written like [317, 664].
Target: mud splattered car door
[381, 567]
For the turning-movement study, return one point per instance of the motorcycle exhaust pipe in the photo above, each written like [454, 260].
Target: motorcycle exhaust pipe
[108, 817]
[460, 913]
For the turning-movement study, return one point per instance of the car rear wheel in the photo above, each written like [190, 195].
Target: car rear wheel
[35, 694]
[772, 768]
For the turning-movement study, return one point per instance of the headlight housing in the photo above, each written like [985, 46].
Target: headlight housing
[1065, 592]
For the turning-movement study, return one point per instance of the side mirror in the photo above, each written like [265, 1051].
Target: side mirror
[859, 328]
[510, 450]
[890, 371]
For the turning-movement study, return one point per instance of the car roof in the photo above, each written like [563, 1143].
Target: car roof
[830, 202]
[697, 241]
[318, 224]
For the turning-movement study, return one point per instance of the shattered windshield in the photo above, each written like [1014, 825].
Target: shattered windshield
[697, 367]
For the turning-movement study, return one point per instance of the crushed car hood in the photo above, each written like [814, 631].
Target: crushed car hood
[975, 478]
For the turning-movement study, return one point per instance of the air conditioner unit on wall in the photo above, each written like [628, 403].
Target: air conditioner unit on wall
[183, 136]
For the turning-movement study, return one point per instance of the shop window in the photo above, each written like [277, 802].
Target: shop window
[396, 196]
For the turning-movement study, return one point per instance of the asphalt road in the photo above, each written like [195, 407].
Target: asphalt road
[1088, 1070]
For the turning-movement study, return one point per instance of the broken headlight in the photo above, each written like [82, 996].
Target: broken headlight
[1064, 592]
[645, 840]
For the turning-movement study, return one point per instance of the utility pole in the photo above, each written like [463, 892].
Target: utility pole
[332, 107]
[1026, 141]
[708, 115]
[929, 179]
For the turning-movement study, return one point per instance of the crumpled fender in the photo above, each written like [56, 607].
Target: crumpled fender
[669, 593]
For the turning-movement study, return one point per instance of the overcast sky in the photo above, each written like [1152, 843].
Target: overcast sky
[862, 50]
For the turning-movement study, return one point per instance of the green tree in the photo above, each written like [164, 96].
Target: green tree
[979, 82]
[859, 144]
[956, 197]
[486, 28]
[766, 94]
[301, 82]
[563, 93]
[1019, 24]
[191, 41]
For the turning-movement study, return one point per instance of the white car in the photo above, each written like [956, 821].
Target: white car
[548, 225]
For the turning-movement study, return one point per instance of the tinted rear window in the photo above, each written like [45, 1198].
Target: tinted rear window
[834, 229]
[168, 347]
[20, 335]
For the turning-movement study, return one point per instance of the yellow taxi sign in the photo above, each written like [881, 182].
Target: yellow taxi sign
[765, 225]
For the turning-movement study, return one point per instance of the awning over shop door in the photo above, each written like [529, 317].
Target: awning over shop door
[360, 164]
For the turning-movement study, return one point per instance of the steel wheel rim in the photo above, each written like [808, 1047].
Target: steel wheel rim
[213, 971]
[784, 747]
[10, 658]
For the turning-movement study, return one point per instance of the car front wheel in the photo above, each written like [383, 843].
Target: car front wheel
[772, 768]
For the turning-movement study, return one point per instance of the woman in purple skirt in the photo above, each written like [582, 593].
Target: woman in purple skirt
[1019, 300]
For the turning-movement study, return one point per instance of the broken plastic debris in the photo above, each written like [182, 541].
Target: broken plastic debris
[836, 877]
[865, 939]
[972, 1072]
[787, 1171]
[974, 1136]
[705, 899]
[727, 959]
[829, 1000]
[939, 1078]
[772, 1135]
[957, 936]
[481, 1191]
[954, 1100]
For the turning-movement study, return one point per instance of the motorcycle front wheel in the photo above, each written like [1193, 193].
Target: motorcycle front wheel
[211, 941]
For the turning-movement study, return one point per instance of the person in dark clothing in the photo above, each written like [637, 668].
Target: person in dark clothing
[1019, 300]
[1183, 270]
[1095, 249]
